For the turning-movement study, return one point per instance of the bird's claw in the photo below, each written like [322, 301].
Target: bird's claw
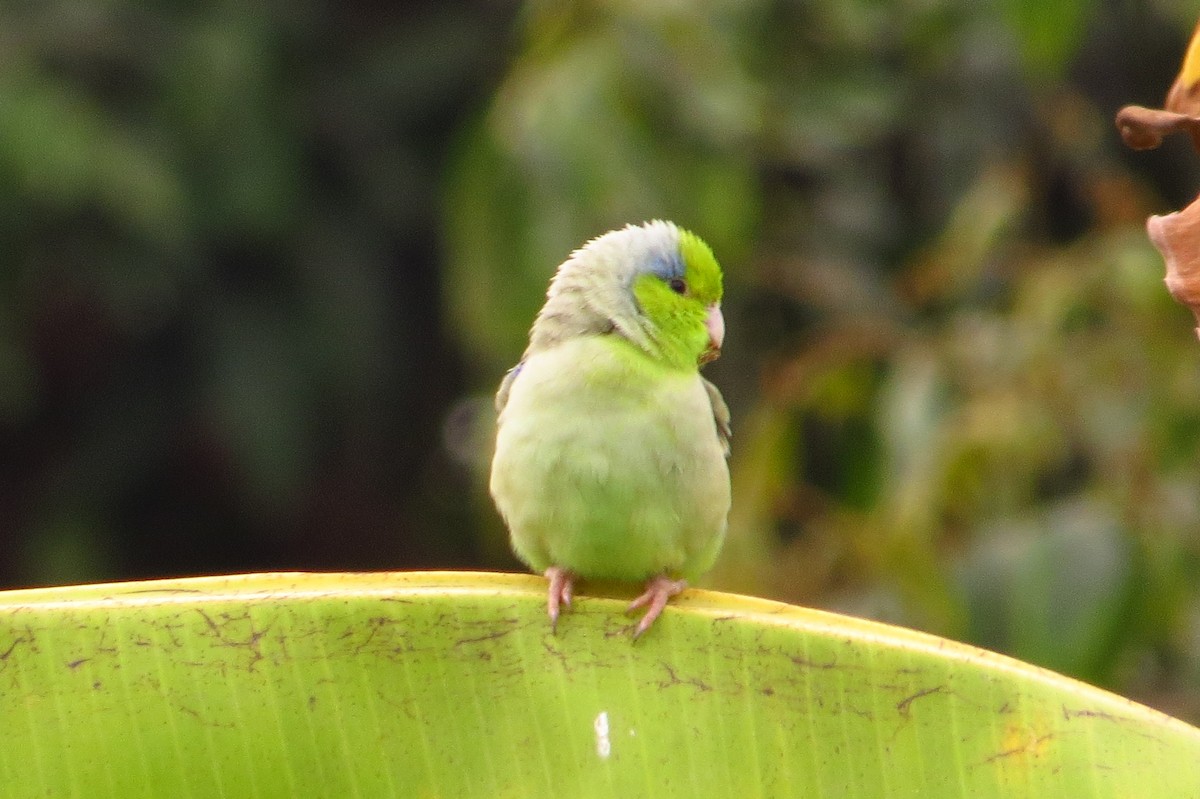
[562, 589]
[658, 592]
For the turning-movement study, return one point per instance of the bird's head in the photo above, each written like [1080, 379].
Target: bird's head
[655, 284]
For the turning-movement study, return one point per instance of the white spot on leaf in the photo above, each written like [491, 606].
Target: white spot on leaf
[603, 744]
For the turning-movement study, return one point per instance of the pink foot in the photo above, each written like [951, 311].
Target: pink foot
[562, 588]
[658, 591]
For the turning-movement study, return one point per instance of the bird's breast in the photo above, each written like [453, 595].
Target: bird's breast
[609, 468]
[589, 412]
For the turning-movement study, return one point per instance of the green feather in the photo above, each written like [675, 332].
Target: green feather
[610, 448]
[703, 272]
[609, 463]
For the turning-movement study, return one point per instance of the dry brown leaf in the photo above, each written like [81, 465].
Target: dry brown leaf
[1177, 237]
[1144, 128]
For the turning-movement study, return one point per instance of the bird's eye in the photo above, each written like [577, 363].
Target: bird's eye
[678, 286]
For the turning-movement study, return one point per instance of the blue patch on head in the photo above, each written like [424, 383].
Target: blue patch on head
[667, 264]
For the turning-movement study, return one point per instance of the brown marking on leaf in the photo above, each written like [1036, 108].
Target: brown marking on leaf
[1087, 713]
[5, 654]
[492, 636]
[805, 663]
[554, 652]
[904, 706]
[1034, 748]
[675, 679]
[212, 625]
[372, 630]
[249, 643]
[1131, 726]
[203, 719]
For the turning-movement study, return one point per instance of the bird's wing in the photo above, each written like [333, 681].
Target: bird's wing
[720, 413]
[506, 386]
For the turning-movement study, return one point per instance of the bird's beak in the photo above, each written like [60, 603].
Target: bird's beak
[714, 323]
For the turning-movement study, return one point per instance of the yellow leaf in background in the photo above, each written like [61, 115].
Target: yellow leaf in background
[1184, 96]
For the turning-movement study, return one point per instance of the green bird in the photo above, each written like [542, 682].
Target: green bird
[611, 449]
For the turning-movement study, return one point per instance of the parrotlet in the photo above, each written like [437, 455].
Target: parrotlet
[610, 458]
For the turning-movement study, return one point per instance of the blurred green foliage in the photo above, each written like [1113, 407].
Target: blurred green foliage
[265, 264]
[220, 336]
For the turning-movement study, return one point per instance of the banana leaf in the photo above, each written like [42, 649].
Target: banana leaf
[453, 685]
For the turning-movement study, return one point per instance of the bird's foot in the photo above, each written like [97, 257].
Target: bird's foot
[658, 591]
[562, 589]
